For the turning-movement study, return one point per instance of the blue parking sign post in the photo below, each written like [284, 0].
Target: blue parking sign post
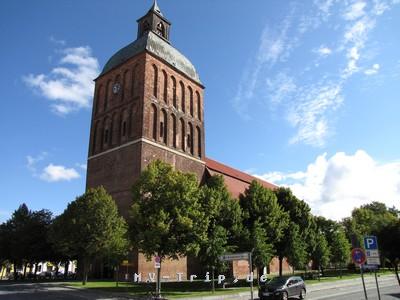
[371, 247]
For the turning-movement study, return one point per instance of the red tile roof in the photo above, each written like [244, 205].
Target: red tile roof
[235, 180]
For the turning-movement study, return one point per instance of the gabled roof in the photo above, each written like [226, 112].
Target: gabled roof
[235, 180]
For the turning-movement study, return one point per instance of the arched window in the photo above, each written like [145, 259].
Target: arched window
[124, 125]
[198, 105]
[198, 141]
[183, 132]
[191, 101]
[163, 126]
[174, 131]
[153, 122]
[183, 101]
[133, 83]
[115, 132]
[155, 81]
[107, 94]
[146, 26]
[94, 141]
[190, 139]
[124, 84]
[174, 100]
[99, 98]
[161, 29]
[165, 83]
[106, 133]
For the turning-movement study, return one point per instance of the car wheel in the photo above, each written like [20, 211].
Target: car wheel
[285, 296]
[303, 294]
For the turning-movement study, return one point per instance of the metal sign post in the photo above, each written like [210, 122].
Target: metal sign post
[251, 275]
[242, 256]
[373, 260]
[358, 257]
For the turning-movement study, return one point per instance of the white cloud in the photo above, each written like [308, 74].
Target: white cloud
[355, 11]
[373, 70]
[323, 51]
[57, 41]
[280, 87]
[310, 113]
[334, 186]
[54, 173]
[33, 160]
[70, 85]
[82, 166]
[306, 93]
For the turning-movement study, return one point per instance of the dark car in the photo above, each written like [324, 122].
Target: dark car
[283, 288]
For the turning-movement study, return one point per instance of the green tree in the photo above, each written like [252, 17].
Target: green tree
[321, 254]
[89, 228]
[166, 219]
[340, 248]
[224, 224]
[264, 222]
[368, 219]
[388, 239]
[295, 242]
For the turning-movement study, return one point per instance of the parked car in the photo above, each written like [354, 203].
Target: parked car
[283, 288]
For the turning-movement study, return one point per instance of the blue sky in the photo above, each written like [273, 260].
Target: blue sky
[300, 93]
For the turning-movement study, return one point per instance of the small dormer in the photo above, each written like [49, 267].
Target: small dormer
[154, 21]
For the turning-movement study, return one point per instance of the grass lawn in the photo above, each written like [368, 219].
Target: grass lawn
[174, 290]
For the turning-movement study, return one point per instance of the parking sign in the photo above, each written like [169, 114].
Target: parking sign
[370, 243]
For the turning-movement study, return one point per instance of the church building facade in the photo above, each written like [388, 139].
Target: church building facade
[149, 104]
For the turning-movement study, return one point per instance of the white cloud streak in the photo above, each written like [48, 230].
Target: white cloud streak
[334, 186]
[55, 173]
[308, 103]
[69, 85]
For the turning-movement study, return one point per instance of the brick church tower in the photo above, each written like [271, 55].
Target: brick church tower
[148, 105]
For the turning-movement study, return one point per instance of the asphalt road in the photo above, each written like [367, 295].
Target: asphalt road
[346, 290]
[387, 290]
[43, 291]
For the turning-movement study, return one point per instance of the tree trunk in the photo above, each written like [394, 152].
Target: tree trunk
[280, 265]
[85, 271]
[212, 280]
[396, 271]
[25, 265]
[15, 271]
[36, 268]
[116, 275]
[158, 285]
[66, 267]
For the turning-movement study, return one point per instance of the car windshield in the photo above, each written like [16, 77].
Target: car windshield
[277, 281]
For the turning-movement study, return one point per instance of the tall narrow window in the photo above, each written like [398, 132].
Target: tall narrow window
[183, 147]
[153, 121]
[94, 139]
[183, 100]
[174, 132]
[99, 98]
[107, 95]
[191, 101]
[198, 105]
[198, 141]
[106, 136]
[155, 81]
[165, 93]
[164, 126]
[123, 128]
[174, 100]
[190, 139]
[133, 83]
[125, 81]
